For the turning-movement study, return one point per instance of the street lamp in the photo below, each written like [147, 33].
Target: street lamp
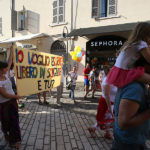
[64, 35]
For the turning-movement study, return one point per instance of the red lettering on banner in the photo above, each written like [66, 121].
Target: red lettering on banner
[40, 61]
[23, 72]
[34, 59]
[20, 56]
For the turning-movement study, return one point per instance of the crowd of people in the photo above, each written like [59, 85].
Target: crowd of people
[123, 106]
[131, 76]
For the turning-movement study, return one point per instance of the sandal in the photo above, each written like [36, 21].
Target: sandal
[40, 103]
[6, 137]
[108, 136]
[85, 97]
[17, 145]
[92, 132]
[46, 103]
[21, 105]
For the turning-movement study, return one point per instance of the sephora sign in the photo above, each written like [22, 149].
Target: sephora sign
[106, 42]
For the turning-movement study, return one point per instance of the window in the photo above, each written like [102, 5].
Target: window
[104, 8]
[0, 26]
[58, 11]
[58, 46]
[18, 20]
[21, 20]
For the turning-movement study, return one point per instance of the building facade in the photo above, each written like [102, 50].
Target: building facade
[99, 27]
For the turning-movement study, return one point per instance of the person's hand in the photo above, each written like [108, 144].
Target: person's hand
[19, 97]
[11, 48]
[110, 111]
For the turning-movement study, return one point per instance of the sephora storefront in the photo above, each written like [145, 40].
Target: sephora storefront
[102, 50]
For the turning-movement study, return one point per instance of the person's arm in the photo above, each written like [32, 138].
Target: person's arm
[68, 75]
[107, 97]
[10, 58]
[146, 54]
[76, 77]
[128, 116]
[6, 95]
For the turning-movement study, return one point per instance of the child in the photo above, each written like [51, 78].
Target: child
[73, 76]
[93, 81]
[97, 81]
[137, 45]
[105, 115]
[8, 107]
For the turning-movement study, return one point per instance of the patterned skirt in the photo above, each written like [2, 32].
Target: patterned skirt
[104, 117]
[9, 118]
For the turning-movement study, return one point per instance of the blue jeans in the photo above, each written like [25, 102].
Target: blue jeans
[71, 94]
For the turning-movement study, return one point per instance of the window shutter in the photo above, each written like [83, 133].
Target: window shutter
[26, 20]
[0, 26]
[112, 7]
[14, 20]
[61, 11]
[95, 8]
[55, 11]
[32, 21]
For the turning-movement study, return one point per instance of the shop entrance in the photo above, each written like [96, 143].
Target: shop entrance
[59, 48]
[102, 50]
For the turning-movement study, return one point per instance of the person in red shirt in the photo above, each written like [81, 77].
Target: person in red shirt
[86, 72]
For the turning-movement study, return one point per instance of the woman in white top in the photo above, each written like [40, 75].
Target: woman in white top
[8, 107]
[73, 77]
[105, 116]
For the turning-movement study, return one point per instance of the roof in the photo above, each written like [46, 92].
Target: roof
[102, 29]
[23, 38]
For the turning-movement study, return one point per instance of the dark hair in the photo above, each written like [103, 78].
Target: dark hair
[140, 62]
[141, 32]
[3, 65]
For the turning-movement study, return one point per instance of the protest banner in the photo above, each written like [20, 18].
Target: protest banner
[36, 71]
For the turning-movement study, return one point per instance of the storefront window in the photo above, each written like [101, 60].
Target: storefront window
[102, 50]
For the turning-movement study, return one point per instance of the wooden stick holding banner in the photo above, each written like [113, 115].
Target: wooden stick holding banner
[36, 71]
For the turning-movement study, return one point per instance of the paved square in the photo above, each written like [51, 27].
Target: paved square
[53, 127]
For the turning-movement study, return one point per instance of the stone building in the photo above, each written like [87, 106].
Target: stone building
[99, 27]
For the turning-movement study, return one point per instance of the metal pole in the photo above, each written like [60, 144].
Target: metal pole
[65, 36]
[12, 9]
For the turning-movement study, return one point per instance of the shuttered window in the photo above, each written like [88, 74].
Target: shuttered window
[104, 8]
[95, 8]
[112, 8]
[0, 26]
[32, 21]
[18, 20]
[14, 20]
[58, 11]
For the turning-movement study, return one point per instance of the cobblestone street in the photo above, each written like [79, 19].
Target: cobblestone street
[53, 127]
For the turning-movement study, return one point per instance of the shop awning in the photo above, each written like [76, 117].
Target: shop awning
[23, 38]
[102, 29]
